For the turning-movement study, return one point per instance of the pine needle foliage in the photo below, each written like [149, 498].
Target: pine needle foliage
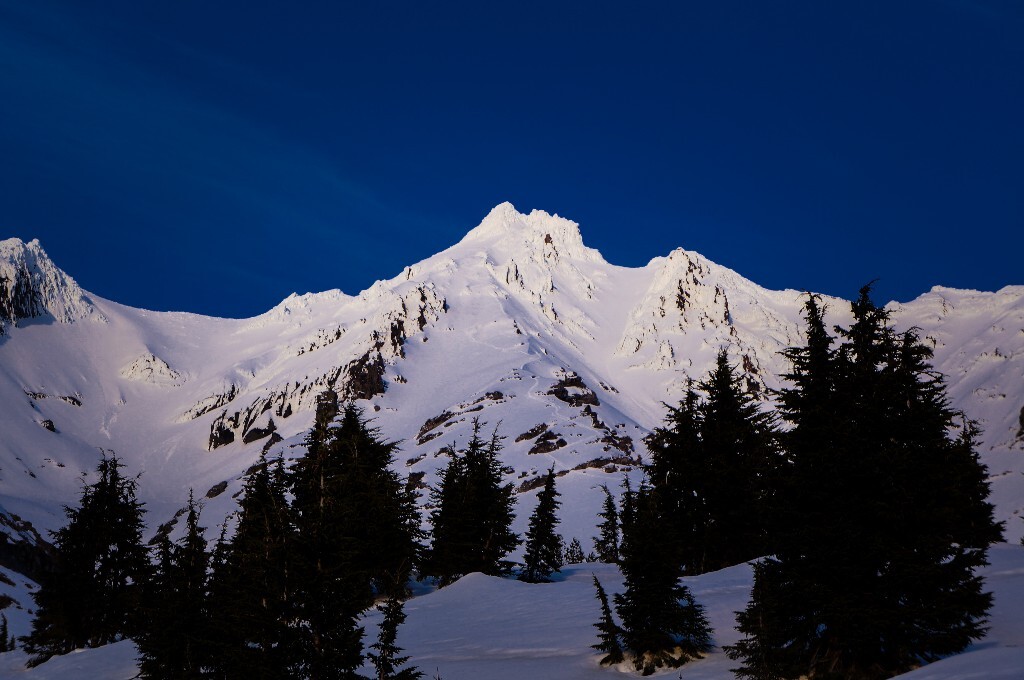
[357, 528]
[351, 504]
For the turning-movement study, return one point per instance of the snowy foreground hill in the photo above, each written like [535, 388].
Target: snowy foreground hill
[496, 629]
[519, 324]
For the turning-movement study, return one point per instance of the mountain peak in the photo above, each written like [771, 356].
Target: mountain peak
[510, 230]
[32, 286]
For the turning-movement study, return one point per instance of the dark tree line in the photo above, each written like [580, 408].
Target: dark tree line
[279, 597]
[313, 546]
[699, 508]
[662, 624]
[173, 641]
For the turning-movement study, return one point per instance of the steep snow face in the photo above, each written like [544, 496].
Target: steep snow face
[519, 324]
[694, 307]
[31, 287]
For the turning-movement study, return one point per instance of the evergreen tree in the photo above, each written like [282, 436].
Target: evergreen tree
[574, 552]
[627, 510]
[385, 656]
[472, 516]
[345, 482]
[543, 553]
[173, 638]
[92, 596]
[885, 520]
[606, 543]
[608, 633]
[251, 601]
[739, 443]
[7, 642]
[662, 624]
[680, 478]
[715, 467]
[357, 535]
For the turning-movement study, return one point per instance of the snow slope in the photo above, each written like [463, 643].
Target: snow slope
[519, 324]
[502, 629]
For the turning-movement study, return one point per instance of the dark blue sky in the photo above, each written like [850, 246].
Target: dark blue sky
[216, 156]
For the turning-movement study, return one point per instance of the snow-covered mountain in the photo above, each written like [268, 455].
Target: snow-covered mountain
[519, 324]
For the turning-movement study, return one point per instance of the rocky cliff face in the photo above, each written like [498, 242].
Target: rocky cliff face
[32, 287]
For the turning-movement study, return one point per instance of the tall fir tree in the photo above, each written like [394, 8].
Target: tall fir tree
[346, 480]
[715, 467]
[92, 597]
[252, 607]
[885, 520]
[7, 641]
[172, 641]
[472, 515]
[608, 633]
[606, 543]
[679, 476]
[385, 654]
[627, 510]
[543, 551]
[741, 449]
[662, 624]
[358, 530]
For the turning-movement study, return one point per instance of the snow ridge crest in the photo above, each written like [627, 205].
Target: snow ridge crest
[512, 233]
[32, 286]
